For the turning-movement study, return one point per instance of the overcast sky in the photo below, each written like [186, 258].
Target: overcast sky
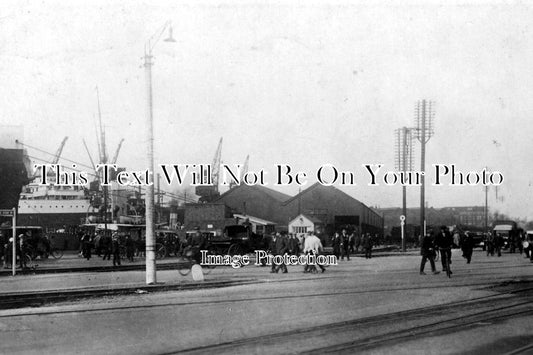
[299, 83]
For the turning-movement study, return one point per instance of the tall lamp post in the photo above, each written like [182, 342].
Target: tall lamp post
[149, 197]
[404, 163]
[424, 114]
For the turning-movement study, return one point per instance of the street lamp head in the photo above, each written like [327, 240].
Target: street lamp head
[170, 38]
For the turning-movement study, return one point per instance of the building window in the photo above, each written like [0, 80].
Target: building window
[299, 229]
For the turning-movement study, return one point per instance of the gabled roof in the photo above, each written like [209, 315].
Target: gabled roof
[318, 185]
[276, 195]
[312, 219]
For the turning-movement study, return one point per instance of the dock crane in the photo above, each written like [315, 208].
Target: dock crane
[59, 151]
[243, 171]
[54, 160]
[210, 193]
[114, 160]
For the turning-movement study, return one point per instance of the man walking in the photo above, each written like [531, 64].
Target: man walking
[490, 244]
[427, 250]
[313, 246]
[130, 248]
[444, 242]
[107, 245]
[467, 245]
[345, 245]
[278, 246]
[293, 244]
[498, 244]
[116, 249]
[367, 245]
[336, 243]
[86, 245]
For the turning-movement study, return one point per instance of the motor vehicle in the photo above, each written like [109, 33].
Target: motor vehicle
[506, 229]
[235, 239]
[479, 239]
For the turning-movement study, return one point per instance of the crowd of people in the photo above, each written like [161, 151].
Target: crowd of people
[443, 241]
[27, 244]
[106, 245]
[343, 245]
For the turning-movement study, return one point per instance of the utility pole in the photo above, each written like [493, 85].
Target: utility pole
[299, 202]
[486, 209]
[158, 198]
[103, 158]
[404, 163]
[424, 114]
[149, 197]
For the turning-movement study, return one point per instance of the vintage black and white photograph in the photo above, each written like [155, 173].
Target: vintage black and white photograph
[266, 177]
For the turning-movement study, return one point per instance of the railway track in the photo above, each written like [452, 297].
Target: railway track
[355, 335]
[108, 268]
[379, 331]
[38, 299]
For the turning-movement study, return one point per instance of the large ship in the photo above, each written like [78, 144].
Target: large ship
[63, 207]
[53, 206]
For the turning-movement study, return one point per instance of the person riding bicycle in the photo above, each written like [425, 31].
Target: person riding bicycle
[444, 241]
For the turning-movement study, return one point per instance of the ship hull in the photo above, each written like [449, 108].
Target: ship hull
[53, 213]
[52, 220]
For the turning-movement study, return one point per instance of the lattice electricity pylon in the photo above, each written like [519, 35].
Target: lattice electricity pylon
[424, 116]
[404, 149]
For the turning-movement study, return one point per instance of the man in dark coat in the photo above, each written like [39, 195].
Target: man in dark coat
[294, 245]
[489, 244]
[116, 249]
[498, 244]
[23, 249]
[198, 243]
[367, 244]
[336, 243]
[351, 242]
[427, 250]
[278, 246]
[130, 247]
[345, 245]
[444, 242]
[106, 245]
[87, 243]
[467, 246]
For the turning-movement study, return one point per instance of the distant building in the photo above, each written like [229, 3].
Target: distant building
[257, 201]
[469, 216]
[303, 224]
[335, 208]
[327, 204]
[207, 216]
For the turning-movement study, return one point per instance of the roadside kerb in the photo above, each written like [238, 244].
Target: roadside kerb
[10, 300]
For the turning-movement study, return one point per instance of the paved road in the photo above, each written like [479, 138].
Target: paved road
[381, 305]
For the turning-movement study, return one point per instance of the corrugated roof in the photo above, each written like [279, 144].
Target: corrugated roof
[276, 195]
[311, 218]
[317, 185]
